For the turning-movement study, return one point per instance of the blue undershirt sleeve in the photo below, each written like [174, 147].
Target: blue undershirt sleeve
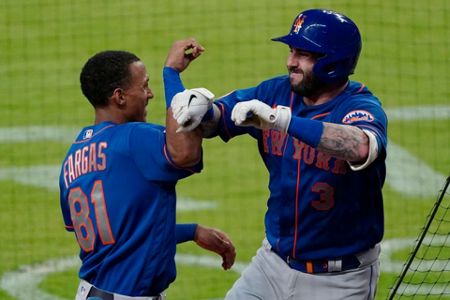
[185, 232]
[306, 130]
[172, 84]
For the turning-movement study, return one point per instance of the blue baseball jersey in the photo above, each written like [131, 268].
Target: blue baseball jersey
[319, 208]
[117, 192]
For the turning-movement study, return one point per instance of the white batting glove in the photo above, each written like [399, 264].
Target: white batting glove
[189, 107]
[260, 115]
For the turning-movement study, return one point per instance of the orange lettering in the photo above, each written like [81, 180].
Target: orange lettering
[323, 161]
[265, 137]
[340, 166]
[71, 173]
[92, 158]
[298, 149]
[102, 156]
[66, 174]
[77, 163]
[84, 160]
[277, 142]
[309, 154]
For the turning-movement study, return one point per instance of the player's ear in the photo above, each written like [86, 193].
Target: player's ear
[118, 96]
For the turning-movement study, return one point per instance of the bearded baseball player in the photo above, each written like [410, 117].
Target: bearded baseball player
[118, 182]
[323, 140]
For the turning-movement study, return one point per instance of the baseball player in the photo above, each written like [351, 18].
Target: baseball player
[118, 180]
[323, 140]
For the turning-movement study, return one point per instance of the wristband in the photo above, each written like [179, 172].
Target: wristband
[209, 115]
[306, 130]
[172, 84]
[185, 232]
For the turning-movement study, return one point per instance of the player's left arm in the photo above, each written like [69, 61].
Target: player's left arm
[214, 240]
[358, 141]
[358, 136]
[208, 238]
[348, 142]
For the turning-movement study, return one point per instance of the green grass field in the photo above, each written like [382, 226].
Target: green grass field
[44, 43]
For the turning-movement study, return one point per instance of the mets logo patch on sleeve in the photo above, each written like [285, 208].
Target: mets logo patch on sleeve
[358, 115]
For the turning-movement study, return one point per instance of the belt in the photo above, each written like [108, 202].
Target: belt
[94, 293]
[323, 266]
[339, 264]
[97, 294]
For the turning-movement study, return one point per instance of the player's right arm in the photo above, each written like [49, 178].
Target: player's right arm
[214, 121]
[217, 120]
[185, 148]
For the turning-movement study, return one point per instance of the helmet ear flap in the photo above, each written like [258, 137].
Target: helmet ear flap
[326, 69]
[335, 68]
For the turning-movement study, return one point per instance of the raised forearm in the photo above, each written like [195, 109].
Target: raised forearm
[184, 147]
[209, 126]
[346, 142]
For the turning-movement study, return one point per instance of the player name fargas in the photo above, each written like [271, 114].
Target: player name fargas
[90, 158]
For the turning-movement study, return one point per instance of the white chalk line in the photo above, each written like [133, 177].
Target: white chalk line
[47, 176]
[406, 173]
[23, 283]
[68, 134]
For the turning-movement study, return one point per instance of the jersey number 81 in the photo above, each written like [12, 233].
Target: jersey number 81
[82, 223]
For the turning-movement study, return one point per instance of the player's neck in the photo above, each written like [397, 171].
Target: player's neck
[325, 95]
[106, 115]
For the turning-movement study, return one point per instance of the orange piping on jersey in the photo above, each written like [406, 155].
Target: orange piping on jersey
[166, 154]
[287, 135]
[361, 88]
[309, 267]
[222, 110]
[320, 115]
[296, 208]
[79, 142]
[291, 100]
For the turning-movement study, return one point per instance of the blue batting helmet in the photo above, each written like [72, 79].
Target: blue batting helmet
[331, 34]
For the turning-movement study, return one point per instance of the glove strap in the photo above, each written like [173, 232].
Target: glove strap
[282, 119]
[209, 115]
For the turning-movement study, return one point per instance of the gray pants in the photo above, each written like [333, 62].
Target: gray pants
[268, 277]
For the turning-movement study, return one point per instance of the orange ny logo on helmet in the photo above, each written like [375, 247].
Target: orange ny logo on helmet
[298, 23]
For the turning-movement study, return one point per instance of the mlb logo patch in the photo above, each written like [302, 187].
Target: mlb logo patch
[88, 134]
[358, 115]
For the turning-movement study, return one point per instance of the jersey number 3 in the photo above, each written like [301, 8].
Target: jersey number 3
[82, 223]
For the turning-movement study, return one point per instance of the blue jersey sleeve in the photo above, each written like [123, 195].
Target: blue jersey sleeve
[148, 147]
[271, 91]
[227, 129]
[367, 114]
[65, 206]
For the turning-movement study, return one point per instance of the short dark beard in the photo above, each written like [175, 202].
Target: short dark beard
[309, 86]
